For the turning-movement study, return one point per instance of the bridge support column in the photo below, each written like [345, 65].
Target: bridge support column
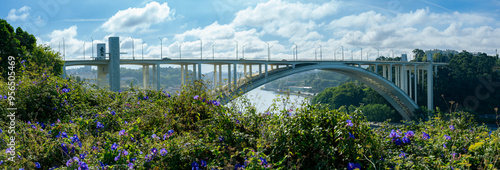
[220, 75]
[405, 82]
[215, 77]
[194, 72]
[155, 81]
[114, 63]
[64, 72]
[199, 71]
[415, 83]
[145, 76]
[245, 70]
[158, 77]
[376, 69]
[182, 75]
[229, 77]
[390, 73]
[102, 70]
[250, 69]
[396, 76]
[235, 77]
[430, 88]
[384, 71]
[260, 70]
[186, 74]
[265, 70]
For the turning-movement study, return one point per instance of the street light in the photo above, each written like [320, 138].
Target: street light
[133, 49]
[180, 50]
[361, 58]
[335, 54]
[320, 53]
[367, 54]
[83, 50]
[92, 47]
[268, 51]
[161, 47]
[236, 49]
[143, 49]
[315, 54]
[342, 53]
[213, 54]
[243, 50]
[201, 49]
[296, 57]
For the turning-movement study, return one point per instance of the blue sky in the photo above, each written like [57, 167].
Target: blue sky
[393, 26]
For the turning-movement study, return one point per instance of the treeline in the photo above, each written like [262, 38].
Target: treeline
[470, 82]
[317, 80]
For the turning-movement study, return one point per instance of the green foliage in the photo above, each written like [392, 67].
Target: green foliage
[379, 113]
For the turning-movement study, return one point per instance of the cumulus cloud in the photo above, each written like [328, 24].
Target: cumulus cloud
[19, 14]
[139, 19]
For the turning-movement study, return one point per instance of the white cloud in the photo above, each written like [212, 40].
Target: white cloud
[134, 19]
[19, 14]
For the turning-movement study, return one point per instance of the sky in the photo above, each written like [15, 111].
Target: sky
[362, 28]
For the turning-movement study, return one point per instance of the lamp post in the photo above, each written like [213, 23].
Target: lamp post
[83, 50]
[315, 54]
[320, 53]
[213, 51]
[133, 49]
[143, 49]
[161, 48]
[243, 50]
[352, 55]
[268, 51]
[296, 57]
[92, 47]
[201, 49]
[236, 49]
[335, 54]
[361, 58]
[367, 54]
[342, 53]
[180, 50]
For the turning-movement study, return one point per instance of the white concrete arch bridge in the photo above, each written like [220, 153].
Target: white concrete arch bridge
[396, 84]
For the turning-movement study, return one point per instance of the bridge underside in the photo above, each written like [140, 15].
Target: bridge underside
[393, 94]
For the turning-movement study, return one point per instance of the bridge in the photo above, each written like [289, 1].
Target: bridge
[396, 84]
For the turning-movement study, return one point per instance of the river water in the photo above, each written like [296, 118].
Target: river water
[264, 100]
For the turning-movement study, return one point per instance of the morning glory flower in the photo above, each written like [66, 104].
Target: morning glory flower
[406, 140]
[37, 165]
[122, 132]
[203, 163]
[64, 135]
[447, 137]
[163, 152]
[349, 123]
[125, 152]
[425, 136]
[113, 112]
[99, 125]
[452, 127]
[170, 132]
[353, 166]
[114, 146]
[394, 134]
[221, 139]
[117, 157]
[154, 151]
[194, 165]
[196, 97]
[263, 161]
[402, 154]
[130, 166]
[397, 141]
[351, 135]
[410, 134]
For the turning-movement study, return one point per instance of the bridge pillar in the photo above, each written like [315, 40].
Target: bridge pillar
[199, 71]
[405, 82]
[250, 69]
[235, 77]
[390, 73]
[229, 77]
[265, 70]
[415, 81]
[145, 76]
[102, 70]
[182, 75]
[215, 76]
[384, 71]
[155, 81]
[244, 70]
[376, 69]
[195, 73]
[158, 77]
[260, 70]
[114, 63]
[430, 88]
[220, 74]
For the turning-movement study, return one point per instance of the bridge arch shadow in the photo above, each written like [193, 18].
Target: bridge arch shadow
[387, 89]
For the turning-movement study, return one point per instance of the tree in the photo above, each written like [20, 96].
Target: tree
[345, 95]
[419, 55]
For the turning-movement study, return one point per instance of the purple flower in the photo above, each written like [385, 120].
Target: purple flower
[163, 152]
[351, 135]
[154, 136]
[74, 138]
[99, 125]
[349, 123]
[398, 141]
[194, 165]
[113, 112]
[263, 161]
[447, 137]
[64, 135]
[122, 132]
[114, 146]
[82, 156]
[221, 139]
[203, 163]
[69, 162]
[130, 166]
[215, 103]
[452, 127]
[64, 148]
[83, 166]
[196, 97]
[402, 154]
[170, 132]
[237, 121]
[353, 166]
[394, 134]
[37, 165]
[65, 90]
[410, 134]
[154, 151]
[117, 157]
[406, 140]
[425, 136]
[22, 61]
[444, 145]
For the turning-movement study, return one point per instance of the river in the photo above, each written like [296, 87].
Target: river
[264, 99]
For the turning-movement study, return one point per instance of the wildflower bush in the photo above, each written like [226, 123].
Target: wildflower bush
[61, 124]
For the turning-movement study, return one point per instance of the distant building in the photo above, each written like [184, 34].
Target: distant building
[430, 53]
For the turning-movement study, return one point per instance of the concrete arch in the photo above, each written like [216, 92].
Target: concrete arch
[393, 94]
